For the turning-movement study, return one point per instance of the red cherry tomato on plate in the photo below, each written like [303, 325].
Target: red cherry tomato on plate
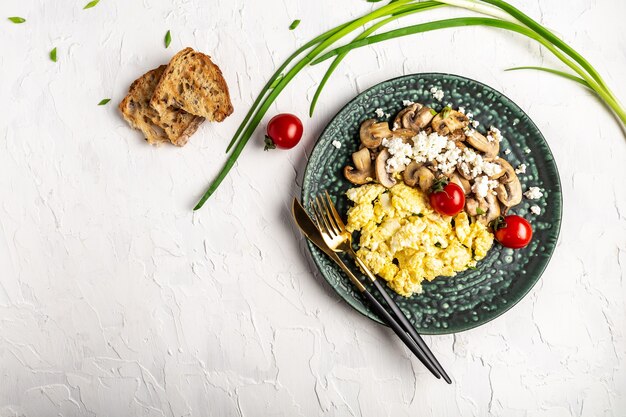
[447, 198]
[284, 131]
[513, 231]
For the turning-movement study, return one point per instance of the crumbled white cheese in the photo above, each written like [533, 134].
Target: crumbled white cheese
[400, 152]
[396, 126]
[521, 169]
[494, 134]
[507, 151]
[406, 103]
[472, 164]
[379, 112]
[427, 147]
[527, 150]
[535, 210]
[481, 186]
[336, 144]
[475, 123]
[533, 193]
[462, 110]
[437, 93]
[470, 115]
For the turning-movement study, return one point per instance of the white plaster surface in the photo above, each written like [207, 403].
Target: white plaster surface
[117, 300]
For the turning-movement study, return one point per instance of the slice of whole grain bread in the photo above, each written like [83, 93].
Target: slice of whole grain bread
[192, 82]
[173, 125]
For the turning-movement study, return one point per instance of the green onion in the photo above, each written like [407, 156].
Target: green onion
[91, 4]
[17, 20]
[104, 101]
[168, 39]
[555, 72]
[53, 55]
[294, 24]
[504, 16]
[253, 118]
[479, 211]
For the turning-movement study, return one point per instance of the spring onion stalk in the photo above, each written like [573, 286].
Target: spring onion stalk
[503, 16]
[555, 72]
[481, 21]
[264, 106]
[411, 9]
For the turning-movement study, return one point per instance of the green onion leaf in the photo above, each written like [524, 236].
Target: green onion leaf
[375, 1]
[471, 267]
[104, 101]
[53, 55]
[91, 4]
[294, 24]
[480, 211]
[445, 113]
[168, 39]
[17, 20]
[555, 72]
[277, 80]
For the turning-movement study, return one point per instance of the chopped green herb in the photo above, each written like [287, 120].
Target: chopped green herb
[438, 244]
[104, 101]
[480, 211]
[168, 39]
[418, 214]
[376, 1]
[471, 267]
[433, 112]
[17, 20]
[91, 4]
[294, 24]
[53, 55]
[446, 112]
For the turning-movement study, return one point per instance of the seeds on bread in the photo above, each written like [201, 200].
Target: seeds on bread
[173, 125]
[193, 83]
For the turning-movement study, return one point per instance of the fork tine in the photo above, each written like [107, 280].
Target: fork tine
[319, 218]
[324, 218]
[327, 215]
[336, 216]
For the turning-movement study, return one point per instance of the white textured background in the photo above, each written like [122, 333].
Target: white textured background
[117, 300]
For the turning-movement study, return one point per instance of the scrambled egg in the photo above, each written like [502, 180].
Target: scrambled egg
[404, 241]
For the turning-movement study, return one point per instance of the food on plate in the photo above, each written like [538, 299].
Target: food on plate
[169, 103]
[174, 126]
[513, 231]
[192, 82]
[284, 131]
[431, 193]
[403, 240]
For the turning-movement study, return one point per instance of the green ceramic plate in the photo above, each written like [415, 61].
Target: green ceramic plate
[473, 297]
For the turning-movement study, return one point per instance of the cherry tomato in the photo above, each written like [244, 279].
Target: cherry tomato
[513, 231]
[284, 131]
[447, 198]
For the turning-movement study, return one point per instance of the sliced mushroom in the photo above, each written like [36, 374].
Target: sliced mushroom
[415, 117]
[409, 175]
[472, 204]
[457, 136]
[481, 143]
[425, 178]
[372, 133]
[384, 177]
[461, 182]
[448, 121]
[363, 170]
[406, 135]
[509, 191]
[492, 211]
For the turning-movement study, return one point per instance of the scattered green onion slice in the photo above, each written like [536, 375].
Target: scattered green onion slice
[104, 101]
[91, 4]
[294, 24]
[53, 55]
[168, 39]
[17, 19]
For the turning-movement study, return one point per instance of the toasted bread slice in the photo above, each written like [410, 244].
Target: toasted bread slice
[192, 82]
[173, 126]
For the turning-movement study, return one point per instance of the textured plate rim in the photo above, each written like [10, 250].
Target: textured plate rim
[558, 210]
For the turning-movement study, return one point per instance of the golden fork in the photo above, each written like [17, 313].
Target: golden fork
[339, 239]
